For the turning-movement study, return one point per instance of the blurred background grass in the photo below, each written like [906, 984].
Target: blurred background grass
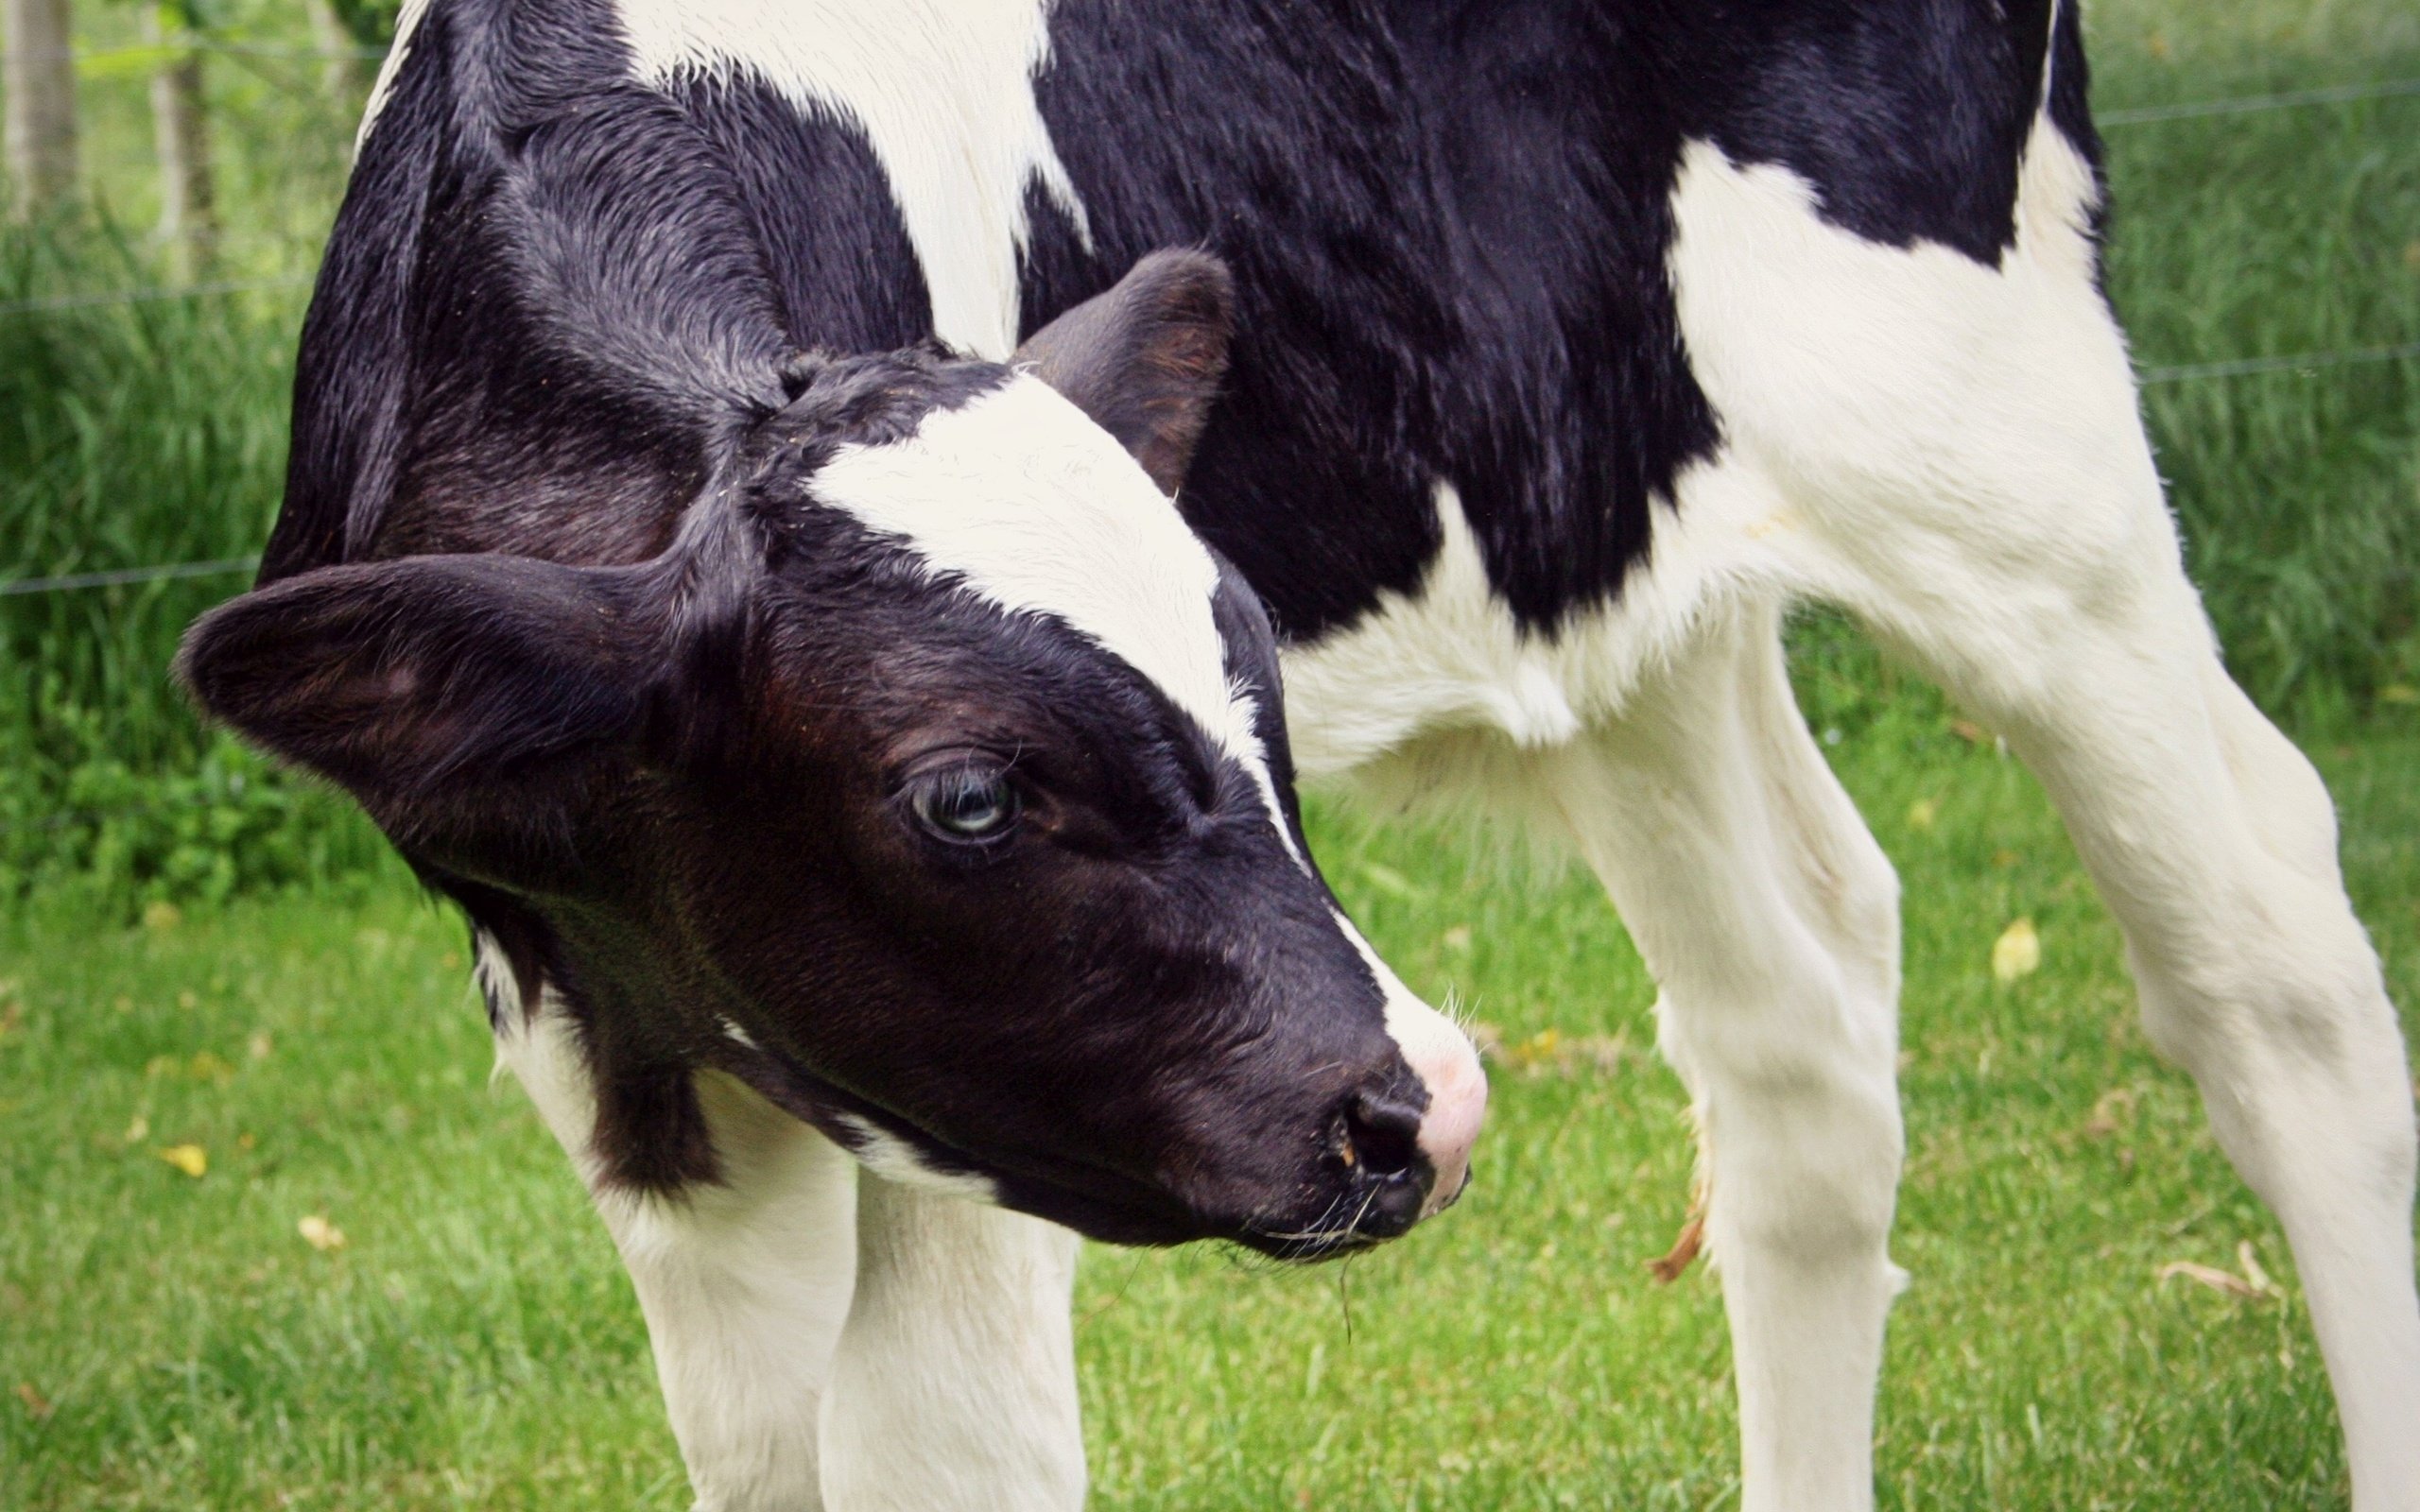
[474, 1343]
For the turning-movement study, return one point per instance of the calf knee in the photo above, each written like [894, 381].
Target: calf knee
[1800, 1116]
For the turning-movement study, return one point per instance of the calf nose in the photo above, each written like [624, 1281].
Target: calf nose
[1447, 1064]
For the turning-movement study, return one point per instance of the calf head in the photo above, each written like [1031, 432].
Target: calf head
[933, 781]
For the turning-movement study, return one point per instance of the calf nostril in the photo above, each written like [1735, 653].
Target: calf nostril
[1383, 1134]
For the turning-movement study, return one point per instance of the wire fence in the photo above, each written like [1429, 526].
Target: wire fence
[2253, 104]
[122, 577]
[171, 47]
[99, 298]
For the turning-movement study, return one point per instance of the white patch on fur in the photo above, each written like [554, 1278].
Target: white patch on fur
[1450, 660]
[1037, 510]
[896, 1160]
[944, 94]
[406, 25]
[1794, 364]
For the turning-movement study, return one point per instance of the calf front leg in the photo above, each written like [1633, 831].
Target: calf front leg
[1770, 919]
[953, 1389]
[744, 1283]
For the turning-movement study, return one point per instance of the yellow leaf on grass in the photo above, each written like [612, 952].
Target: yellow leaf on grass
[2018, 952]
[1921, 813]
[2399, 693]
[190, 1158]
[320, 1234]
[162, 914]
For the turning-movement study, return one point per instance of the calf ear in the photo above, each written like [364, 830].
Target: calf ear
[437, 690]
[1144, 360]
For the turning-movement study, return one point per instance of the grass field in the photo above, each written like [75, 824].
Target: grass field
[169, 1340]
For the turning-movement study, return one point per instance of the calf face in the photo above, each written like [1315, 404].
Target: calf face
[933, 781]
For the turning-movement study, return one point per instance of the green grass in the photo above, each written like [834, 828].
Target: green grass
[475, 1344]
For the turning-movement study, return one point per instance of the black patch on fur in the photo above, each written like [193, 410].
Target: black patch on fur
[1449, 225]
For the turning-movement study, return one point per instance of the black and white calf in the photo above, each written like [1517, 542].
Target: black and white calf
[855, 753]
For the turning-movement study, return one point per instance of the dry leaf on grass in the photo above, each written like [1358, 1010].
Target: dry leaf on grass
[2017, 953]
[191, 1158]
[2109, 1114]
[320, 1234]
[1553, 1053]
[37, 1406]
[1668, 1266]
[2254, 1285]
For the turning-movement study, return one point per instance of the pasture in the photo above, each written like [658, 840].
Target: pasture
[268, 1237]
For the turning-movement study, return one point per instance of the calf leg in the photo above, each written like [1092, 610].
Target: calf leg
[953, 1389]
[2214, 843]
[744, 1283]
[1965, 467]
[1770, 919]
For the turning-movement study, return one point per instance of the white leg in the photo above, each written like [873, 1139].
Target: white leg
[1770, 919]
[2215, 844]
[953, 1389]
[1966, 469]
[744, 1283]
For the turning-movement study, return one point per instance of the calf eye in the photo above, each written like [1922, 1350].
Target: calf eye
[964, 804]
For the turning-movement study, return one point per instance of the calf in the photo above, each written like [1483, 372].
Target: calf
[853, 754]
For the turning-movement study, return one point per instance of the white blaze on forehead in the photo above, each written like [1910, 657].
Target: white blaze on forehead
[943, 91]
[1038, 510]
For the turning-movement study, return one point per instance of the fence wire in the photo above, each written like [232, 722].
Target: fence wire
[99, 298]
[2251, 104]
[119, 577]
[2246, 366]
